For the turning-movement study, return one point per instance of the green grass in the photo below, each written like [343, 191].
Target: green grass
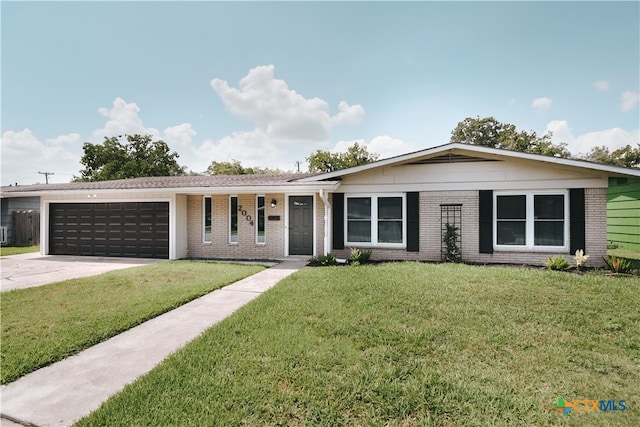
[43, 325]
[404, 344]
[17, 250]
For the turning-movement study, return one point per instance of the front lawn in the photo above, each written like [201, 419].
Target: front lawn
[404, 344]
[43, 325]
[17, 250]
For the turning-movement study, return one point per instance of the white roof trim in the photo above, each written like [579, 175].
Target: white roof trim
[487, 151]
[312, 187]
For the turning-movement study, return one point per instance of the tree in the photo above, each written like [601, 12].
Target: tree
[235, 168]
[325, 161]
[626, 157]
[139, 156]
[489, 132]
[227, 168]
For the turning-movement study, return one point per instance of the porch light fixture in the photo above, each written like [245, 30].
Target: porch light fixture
[273, 203]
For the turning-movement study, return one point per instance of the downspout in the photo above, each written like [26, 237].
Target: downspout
[327, 221]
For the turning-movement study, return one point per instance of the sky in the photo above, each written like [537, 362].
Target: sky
[269, 83]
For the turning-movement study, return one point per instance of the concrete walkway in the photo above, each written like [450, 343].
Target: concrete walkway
[64, 392]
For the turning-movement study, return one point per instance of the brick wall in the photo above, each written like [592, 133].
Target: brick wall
[430, 232]
[246, 247]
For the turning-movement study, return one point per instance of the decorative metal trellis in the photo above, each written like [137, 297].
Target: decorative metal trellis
[451, 232]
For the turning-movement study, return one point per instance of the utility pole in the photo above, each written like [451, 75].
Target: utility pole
[46, 175]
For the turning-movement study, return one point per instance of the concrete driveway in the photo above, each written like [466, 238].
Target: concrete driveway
[29, 270]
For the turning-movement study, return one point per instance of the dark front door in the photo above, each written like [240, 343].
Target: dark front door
[301, 225]
[122, 229]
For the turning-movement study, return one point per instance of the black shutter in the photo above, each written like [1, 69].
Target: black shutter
[486, 221]
[338, 220]
[576, 220]
[413, 222]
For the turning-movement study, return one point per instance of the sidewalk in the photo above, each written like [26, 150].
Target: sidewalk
[60, 394]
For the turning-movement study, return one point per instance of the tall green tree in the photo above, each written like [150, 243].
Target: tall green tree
[325, 161]
[489, 132]
[234, 167]
[137, 156]
[626, 157]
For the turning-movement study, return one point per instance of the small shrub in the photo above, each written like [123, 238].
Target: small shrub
[452, 250]
[581, 259]
[557, 263]
[360, 256]
[612, 245]
[618, 265]
[324, 260]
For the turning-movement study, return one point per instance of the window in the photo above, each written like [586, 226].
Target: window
[260, 215]
[531, 220]
[512, 220]
[548, 226]
[359, 219]
[375, 220]
[233, 219]
[206, 224]
[390, 220]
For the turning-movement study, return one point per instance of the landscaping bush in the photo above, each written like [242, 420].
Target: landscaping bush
[618, 265]
[360, 256]
[557, 263]
[324, 260]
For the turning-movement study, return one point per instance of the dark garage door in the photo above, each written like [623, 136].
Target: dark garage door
[136, 230]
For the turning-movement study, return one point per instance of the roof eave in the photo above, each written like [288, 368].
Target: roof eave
[239, 189]
[492, 152]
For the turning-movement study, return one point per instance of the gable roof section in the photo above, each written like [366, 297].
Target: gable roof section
[456, 152]
[180, 184]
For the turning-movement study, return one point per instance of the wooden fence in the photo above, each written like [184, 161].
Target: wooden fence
[26, 228]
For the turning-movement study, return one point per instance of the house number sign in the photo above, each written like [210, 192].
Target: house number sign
[244, 213]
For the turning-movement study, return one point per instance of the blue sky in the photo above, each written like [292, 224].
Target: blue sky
[268, 83]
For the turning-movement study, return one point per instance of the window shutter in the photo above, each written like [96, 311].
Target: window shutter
[413, 222]
[338, 220]
[485, 212]
[576, 220]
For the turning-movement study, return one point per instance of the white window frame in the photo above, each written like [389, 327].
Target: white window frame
[257, 220]
[204, 219]
[237, 220]
[529, 245]
[374, 220]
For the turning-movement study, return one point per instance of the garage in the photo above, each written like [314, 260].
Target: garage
[119, 229]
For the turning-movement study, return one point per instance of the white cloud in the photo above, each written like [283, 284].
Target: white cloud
[24, 155]
[601, 85]
[281, 112]
[349, 114]
[69, 139]
[629, 100]
[542, 103]
[123, 119]
[613, 138]
[383, 145]
[181, 135]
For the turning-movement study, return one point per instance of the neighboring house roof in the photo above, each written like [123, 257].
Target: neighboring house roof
[181, 184]
[457, 152]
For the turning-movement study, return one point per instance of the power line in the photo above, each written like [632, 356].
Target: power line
[46, 175]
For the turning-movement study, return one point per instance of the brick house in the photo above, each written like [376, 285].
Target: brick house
[502, 206]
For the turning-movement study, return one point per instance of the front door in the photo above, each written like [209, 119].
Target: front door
[301, 225]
